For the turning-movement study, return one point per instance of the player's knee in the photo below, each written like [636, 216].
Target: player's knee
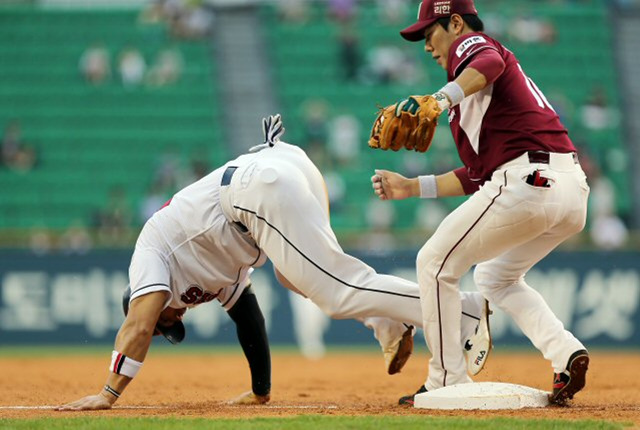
[482, 279]
[425, 257]
[428, 261]
[421, 258]
[489, 279]
[422, 261]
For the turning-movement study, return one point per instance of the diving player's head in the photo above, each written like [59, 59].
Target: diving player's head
[169, 323]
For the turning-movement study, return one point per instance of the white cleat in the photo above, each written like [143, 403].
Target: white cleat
[398, 352]
[478, 346]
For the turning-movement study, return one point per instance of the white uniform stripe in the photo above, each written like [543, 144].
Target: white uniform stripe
[472, 112]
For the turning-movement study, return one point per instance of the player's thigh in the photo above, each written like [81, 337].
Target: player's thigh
[493, 220]
[561, 212]
[509, 267]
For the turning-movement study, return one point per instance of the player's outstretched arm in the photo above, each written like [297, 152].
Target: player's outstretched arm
[449, 185]
[393, 186]
[252, 334]
[131, 346]
[471, 81]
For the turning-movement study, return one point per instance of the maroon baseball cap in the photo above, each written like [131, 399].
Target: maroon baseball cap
[432, 10]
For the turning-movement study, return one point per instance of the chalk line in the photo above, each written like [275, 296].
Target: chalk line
[49, 407]
[283, 406]
[45, 407]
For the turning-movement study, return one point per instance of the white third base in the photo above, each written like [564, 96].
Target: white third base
[483, 395]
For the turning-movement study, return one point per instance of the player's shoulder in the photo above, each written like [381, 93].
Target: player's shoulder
[468, 44]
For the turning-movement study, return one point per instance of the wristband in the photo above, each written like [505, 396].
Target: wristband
[123, 365]
[453, 96]
[443, 101]
[428, 187]
[111, 391]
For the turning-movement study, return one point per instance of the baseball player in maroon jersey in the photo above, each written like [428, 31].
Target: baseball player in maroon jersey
[528, 194]
[204, 243]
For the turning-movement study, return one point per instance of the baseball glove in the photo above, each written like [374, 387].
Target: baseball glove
[408, 124]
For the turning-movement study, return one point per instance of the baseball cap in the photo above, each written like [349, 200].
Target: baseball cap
[174, 334]
[432, 10]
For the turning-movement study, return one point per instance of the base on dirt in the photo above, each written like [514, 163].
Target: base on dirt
[484, 396]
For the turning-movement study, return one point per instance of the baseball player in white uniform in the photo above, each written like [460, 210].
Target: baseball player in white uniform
[204, 243]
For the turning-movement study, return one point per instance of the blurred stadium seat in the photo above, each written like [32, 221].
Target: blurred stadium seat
[89, 138]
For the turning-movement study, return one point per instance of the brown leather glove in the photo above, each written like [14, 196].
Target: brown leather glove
[409, 124]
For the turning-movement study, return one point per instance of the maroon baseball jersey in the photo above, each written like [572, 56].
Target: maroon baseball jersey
[501, 122]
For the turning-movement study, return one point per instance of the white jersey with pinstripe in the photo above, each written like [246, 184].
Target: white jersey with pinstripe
[190, 249]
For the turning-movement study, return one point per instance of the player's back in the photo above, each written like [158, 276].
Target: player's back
[200, 245]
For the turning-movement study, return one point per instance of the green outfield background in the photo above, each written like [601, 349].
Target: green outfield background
[306, 422]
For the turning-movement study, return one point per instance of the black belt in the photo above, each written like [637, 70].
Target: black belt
[542, 157]
[226, 180]
[227, 175]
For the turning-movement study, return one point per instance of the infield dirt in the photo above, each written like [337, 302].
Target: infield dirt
[345, 383]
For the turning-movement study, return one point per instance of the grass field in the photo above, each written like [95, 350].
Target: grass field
[302, 422]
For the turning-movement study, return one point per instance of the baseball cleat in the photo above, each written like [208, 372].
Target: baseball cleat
[478, 346]
[566, 384]
[410, 399]
[397, 354]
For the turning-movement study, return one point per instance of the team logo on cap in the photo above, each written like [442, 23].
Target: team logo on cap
[442, 7]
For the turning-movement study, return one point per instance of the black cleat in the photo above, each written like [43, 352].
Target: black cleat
[572, 380]
[408, 400]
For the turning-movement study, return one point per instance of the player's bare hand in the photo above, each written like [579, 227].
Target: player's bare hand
[393, 186]
[89, 403]
[249, 398]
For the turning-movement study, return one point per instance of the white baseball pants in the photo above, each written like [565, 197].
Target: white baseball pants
[279, 195]
[505, 228]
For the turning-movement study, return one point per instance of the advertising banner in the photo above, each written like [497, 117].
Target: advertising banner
[77, 299]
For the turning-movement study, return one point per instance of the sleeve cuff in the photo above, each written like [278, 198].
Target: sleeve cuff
[151, 288]
[468, 185]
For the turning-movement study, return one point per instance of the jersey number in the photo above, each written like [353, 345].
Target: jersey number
[537, 94]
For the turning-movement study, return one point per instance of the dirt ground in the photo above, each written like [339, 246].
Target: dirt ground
[351, 383]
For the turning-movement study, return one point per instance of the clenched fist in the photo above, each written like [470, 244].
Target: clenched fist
[393, 186]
